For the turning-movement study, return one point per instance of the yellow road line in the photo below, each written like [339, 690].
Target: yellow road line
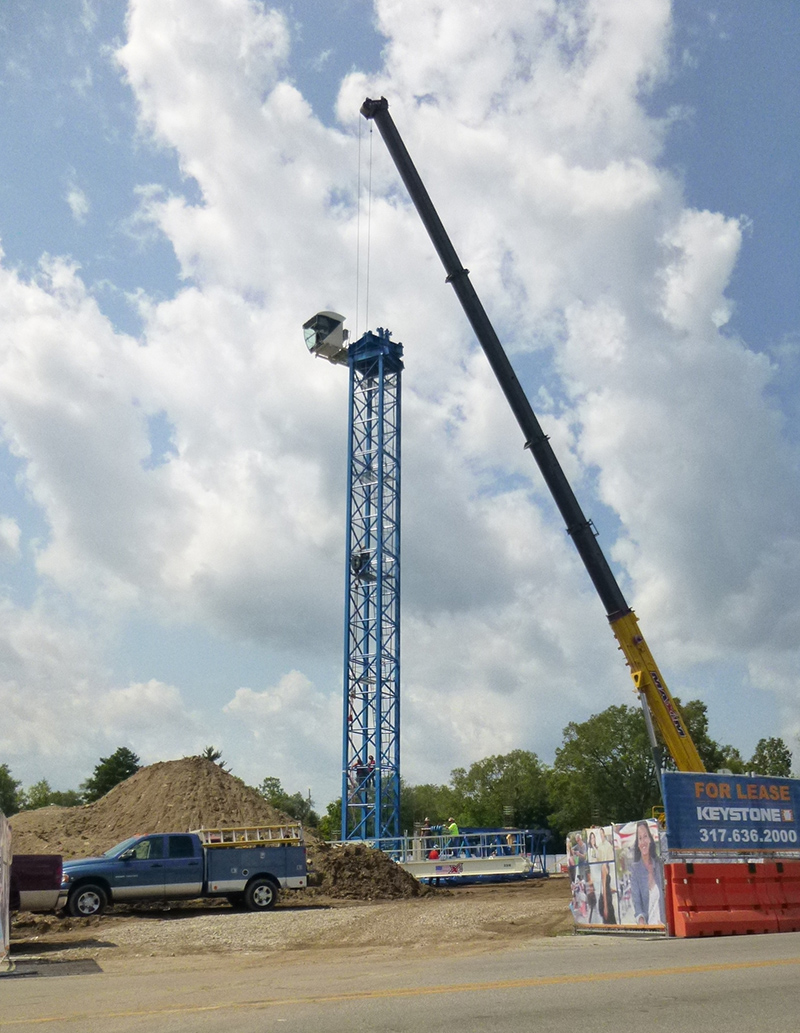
[417, 991]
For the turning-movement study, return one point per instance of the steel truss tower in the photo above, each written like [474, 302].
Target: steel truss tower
[371, 750]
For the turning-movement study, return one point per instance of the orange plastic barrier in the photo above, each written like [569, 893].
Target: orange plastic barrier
[725, 899]
[788, 882]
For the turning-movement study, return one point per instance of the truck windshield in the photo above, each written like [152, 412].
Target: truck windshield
[121, 846]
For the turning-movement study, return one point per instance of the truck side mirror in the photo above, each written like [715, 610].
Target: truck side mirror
[127, 855]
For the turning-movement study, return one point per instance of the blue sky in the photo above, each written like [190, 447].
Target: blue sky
[178, 188]
[737, 149]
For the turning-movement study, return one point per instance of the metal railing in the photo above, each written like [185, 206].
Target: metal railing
[435, 844]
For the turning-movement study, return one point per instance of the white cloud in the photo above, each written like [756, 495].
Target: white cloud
[88, 15]
[78, 203]
[81, 84]
[706, 246]
[292, 728]
[9, 538]
[321, 60]
[62, 710]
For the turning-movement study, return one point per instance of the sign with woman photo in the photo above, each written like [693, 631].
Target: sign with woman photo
[617, 876]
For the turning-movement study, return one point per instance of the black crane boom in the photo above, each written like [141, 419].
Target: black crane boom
[647, 679]
[536, 440]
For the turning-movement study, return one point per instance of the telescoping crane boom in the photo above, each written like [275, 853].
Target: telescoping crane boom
[653, 693]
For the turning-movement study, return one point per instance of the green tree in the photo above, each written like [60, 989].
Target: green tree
[714, 755]
[271, 789]
[295, 805]
[604, 771]
[110, 772]
[66, 798]
[41, 795]
[499, 790]
[435, 802]
[330, 824]
[9, 792]
[37, 795]
[772, 757]
[215, 756]
[508, 789]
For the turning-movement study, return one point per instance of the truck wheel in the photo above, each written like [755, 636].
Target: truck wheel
[261, 895]
[86, 901]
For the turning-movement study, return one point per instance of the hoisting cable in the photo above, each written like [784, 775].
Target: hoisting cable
[358, 225]
[369, 233]
[358, 232]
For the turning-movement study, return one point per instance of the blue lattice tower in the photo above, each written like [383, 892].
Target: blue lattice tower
[371, 740]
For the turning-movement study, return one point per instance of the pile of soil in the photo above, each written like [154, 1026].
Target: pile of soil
[193, 793]
[352, 871]
[171, 796]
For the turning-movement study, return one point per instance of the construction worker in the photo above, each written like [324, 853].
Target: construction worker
[452, 830]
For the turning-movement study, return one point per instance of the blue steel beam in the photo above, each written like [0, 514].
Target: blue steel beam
[371, 713]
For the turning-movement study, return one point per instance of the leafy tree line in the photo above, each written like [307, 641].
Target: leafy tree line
[121, 764]
[603, 772]
[108, 772]
[295, 805]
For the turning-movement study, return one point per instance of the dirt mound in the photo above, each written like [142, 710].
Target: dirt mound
[180, 795]
[352, 871]
[171, 796]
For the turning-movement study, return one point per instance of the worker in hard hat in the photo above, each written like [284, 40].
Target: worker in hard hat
[452, 830]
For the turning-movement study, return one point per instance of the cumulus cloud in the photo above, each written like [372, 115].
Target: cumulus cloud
[81, 84]
[88, 15]
[78, 203]
[9, 538]
[528, 124]
[292, 728]
[62, 709]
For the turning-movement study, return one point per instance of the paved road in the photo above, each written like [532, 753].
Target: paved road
[617, 984]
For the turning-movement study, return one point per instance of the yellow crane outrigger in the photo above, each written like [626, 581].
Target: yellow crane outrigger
[657, 703]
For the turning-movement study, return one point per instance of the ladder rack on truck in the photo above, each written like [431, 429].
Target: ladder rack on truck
[251, 835]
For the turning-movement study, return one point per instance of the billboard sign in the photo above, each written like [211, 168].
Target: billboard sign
[727, 814]
[617, 876]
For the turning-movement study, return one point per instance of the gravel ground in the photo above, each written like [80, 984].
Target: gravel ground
[468, 919]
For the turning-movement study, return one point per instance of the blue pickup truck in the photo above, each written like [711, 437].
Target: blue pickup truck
[247, 866]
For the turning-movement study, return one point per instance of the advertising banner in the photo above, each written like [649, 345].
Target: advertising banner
[732, 814]
[617, 876]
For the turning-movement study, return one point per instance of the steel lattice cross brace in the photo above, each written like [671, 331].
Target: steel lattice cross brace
[371, 753]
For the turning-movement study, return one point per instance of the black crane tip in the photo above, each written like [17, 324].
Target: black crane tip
[370, 108]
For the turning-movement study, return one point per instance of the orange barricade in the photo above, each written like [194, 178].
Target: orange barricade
[769, 884]
[788, 881]
[747, 892]
[726, 899]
